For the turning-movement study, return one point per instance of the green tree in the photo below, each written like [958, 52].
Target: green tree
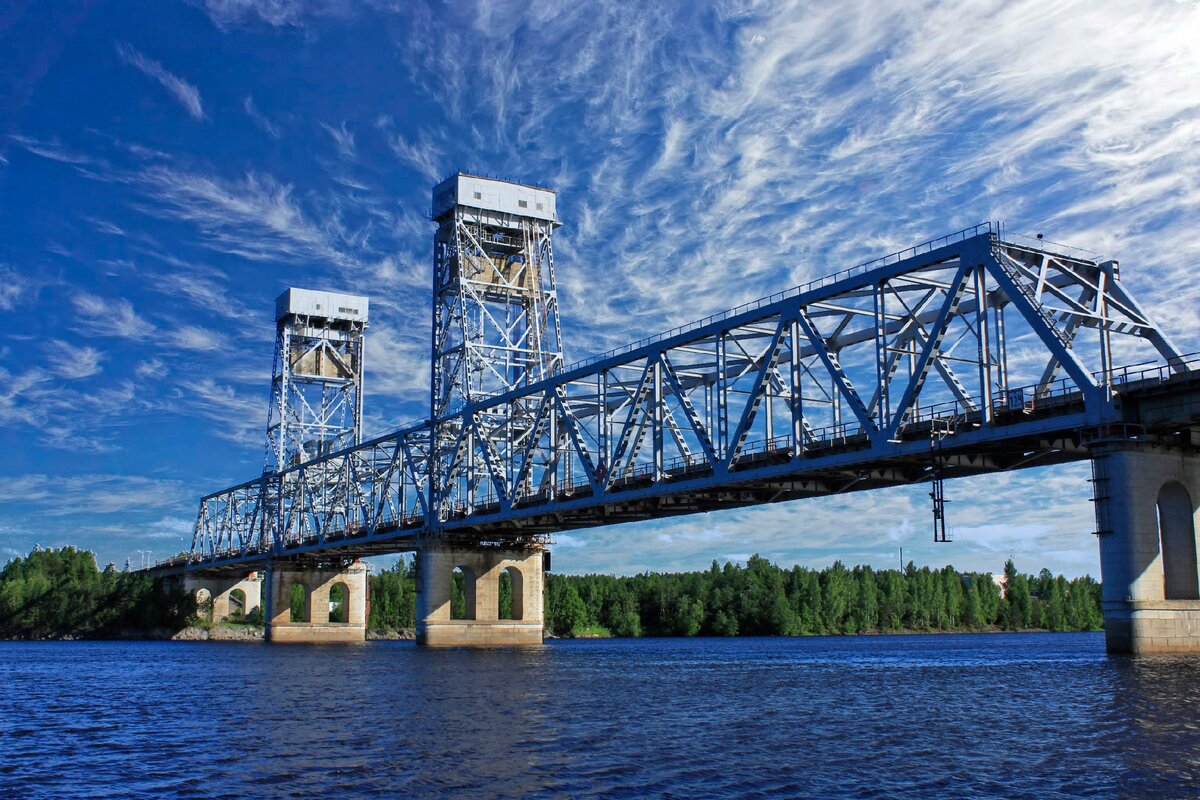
[866, 608]
[565, 612]
[394, 597]
[1018, 600]
[837, 592]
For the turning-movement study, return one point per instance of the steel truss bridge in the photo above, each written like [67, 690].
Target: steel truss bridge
[971, 354]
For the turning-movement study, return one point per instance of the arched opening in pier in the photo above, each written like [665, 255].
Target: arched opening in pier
[1177, 540]
[339, 603]
[298, 599]
[511, 594]
[462, 593]
[237, 604]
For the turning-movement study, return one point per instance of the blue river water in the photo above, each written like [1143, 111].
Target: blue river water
[1024, 715]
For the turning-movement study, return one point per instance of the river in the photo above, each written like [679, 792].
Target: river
[1022, 715]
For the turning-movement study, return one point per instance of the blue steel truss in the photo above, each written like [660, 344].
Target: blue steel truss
[999, 349]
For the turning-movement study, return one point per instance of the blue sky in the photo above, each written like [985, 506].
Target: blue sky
[166, 169]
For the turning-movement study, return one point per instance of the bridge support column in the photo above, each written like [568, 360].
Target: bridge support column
[1148, 511]
[218, 592]
[321, 619]
[481, 569]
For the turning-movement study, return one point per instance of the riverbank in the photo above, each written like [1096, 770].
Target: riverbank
[233, 632]
[251, 633]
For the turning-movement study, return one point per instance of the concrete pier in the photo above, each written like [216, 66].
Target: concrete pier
[1147, 513]
[316, 624]
[481, 568]
[225, 594]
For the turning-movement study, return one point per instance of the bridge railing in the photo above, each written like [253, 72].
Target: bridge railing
[1150, 370]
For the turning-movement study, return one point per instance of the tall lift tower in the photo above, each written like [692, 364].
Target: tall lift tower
[495, 313]
[316, 386]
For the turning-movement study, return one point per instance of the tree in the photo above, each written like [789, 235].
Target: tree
[837, 591]
[61, 592]
[564, 610]
[394, 597]
[893, 599]
[866, 609]
[1018, 600]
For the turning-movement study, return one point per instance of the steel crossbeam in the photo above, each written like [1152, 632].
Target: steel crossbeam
[827, 388]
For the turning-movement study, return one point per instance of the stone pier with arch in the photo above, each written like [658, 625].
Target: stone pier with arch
[334, 599]
[1148, 509]
[483, 569]
[226, 596]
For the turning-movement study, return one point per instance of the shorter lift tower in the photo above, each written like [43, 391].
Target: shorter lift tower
[495, 319]
[317, 383]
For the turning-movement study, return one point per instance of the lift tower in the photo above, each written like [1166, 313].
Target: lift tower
[316, 386]
[495, 321]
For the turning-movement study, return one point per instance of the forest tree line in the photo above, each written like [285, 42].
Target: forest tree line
[61, 592]
[764, 599]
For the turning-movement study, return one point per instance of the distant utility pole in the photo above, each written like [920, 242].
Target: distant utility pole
[902, 558]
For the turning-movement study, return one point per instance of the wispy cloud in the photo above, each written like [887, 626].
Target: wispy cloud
[12, 287]
[52, 150]
[240, 418]
[110, 317]
[70, 361]
[104, 226]
[150, 368]
[184, 93]
[279, 13]
[257, 218]
[260, 119]
[63, 416]
[343, 139]
[200, 287]
[422, 156]
[58, 495]
[194, 337]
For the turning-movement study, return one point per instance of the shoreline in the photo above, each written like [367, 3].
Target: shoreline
[221, 633]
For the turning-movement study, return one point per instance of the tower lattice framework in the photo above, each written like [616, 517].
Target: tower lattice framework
[317, 380]
[495, 324]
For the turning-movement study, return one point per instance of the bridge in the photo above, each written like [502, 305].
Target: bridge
[975, 353]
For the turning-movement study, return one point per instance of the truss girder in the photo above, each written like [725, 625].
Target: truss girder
[776, 390]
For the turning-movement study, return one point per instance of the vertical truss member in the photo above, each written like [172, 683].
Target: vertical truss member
[495, 325]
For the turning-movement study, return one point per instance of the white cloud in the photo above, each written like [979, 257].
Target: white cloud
[343, 139]
[57, 495]
[110, 317]
[52, 150]
[257, 218]
[235, 417]
[260, 119]
[194, 337]
[422, 156]
[184, 93]
[69, 361]
[12, 287]
[150, 368]
[204, 288]
[278, 13]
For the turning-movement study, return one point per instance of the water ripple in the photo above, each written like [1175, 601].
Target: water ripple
[1038, 716]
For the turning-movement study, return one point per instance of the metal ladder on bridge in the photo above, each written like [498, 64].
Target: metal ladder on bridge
[940, 429]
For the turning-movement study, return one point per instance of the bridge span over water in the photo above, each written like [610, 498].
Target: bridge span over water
[975, 353]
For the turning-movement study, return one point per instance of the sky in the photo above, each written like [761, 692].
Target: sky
[168, 168]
